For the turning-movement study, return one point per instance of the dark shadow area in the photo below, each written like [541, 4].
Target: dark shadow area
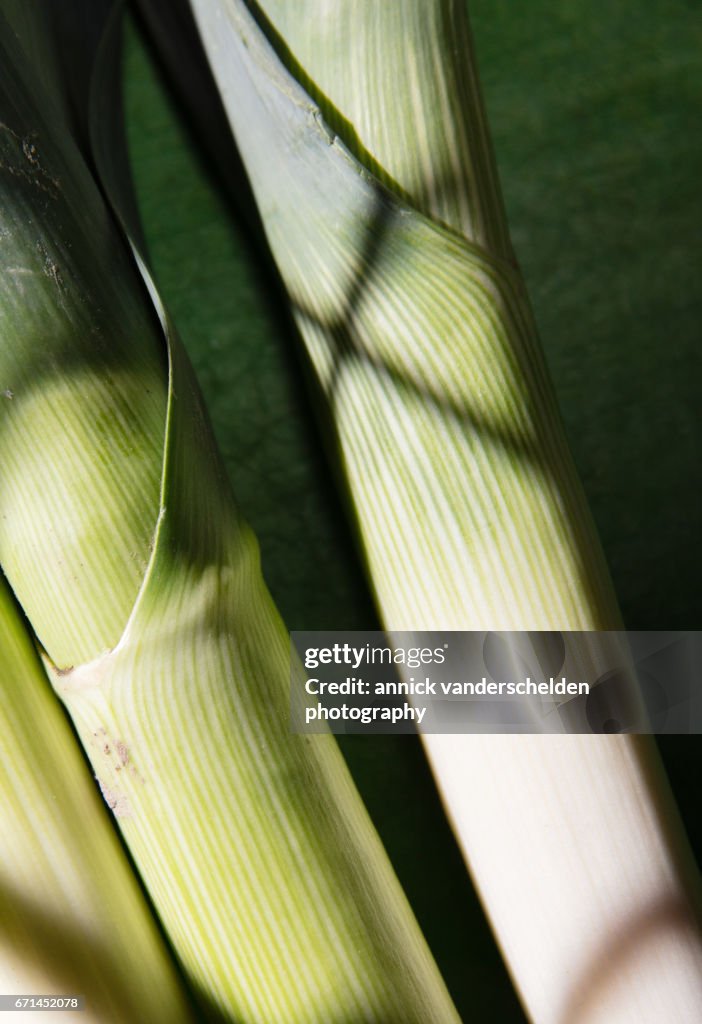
[187, 83]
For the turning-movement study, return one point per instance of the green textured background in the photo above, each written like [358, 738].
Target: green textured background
[595, 113]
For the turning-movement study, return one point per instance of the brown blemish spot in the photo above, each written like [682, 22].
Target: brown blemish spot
[116, 801]
[122, 751]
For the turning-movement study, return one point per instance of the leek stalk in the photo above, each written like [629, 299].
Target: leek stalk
[362, 131]
[142, 584]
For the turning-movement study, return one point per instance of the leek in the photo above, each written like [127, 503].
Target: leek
[142, 584]
[363, 135]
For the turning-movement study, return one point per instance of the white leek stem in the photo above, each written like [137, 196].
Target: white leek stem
[575, 847]
[467, 504]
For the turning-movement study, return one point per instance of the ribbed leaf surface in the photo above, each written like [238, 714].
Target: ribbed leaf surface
[424, 345]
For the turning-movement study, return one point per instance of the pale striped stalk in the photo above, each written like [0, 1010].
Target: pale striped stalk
[73, 920]
[364, 138]
[119, 535]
